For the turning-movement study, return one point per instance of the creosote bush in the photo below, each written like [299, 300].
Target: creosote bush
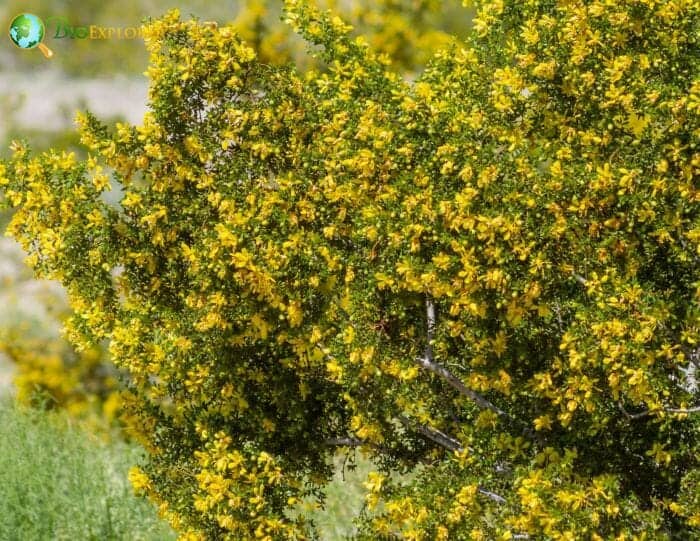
[490, 272]
[83, 383]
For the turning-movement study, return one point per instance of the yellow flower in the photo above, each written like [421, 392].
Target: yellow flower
[139, 480]
[544, 422]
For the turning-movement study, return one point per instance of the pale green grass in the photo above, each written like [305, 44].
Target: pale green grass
[345, 496]
[58, 482]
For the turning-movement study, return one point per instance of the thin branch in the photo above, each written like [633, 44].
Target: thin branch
[694, 409]
[560, 321]
[430, 312]
[492, 495]
[580, 279]
[345, 442]
[354, 442]
[632, 416]
[346, 456]
[457, 384]
[451, 444]
[434, 435]
[428, 363]
[646, 413]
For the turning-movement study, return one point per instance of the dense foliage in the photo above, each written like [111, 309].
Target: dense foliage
[407, 32]
[487, 274]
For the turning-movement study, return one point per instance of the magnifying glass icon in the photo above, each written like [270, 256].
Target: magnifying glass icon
[27, 31]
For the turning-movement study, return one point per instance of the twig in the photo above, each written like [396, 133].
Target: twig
[345, 442]
[354, 442]
[457, 384]
[427, 362]
[580, 279]
[685, 246]
[557, 311]
[646, 413]
[694, 409]
[451, 444]
[436, 436]
[430, 311]
[632, 416]
[492, 495]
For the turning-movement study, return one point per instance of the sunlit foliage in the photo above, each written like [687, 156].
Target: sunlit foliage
[490, 271]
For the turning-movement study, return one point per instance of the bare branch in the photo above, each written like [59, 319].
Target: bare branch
[345, 442]
[580, 279]
[694, 409]
[632, 416]
[457, 384]
[451, 444]
[646, 413]
[428, 363]
[560, 322]
[492, 495]
[430, 311]
[436, 436]
[354, 442]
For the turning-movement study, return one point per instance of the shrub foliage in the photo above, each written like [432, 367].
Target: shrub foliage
[490, 272]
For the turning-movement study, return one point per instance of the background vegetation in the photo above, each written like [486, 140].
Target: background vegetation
[60, 482]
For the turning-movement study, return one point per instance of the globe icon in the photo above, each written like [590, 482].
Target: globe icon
[27, 30]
